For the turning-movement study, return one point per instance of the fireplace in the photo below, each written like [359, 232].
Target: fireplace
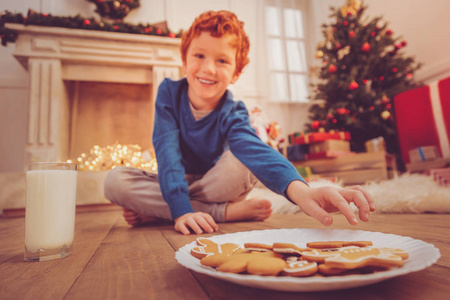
[91, 88]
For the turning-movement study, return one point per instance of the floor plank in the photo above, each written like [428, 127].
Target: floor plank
[53, 279]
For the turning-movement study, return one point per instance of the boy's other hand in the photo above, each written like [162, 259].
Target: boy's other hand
[319, 202]
[198, 222]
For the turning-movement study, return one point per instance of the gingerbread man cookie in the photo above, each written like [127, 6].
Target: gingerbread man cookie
[207, 247]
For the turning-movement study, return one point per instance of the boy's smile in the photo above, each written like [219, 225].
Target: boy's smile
[209, 67]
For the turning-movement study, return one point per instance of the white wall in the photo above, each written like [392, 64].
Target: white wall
[424, 25]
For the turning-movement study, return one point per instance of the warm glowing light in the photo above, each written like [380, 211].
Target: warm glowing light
[111, 156]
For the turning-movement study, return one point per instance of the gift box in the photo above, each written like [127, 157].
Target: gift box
[295, 152]
[423, 154]
[441, 176]
[328, 154]
[329, 145]
[315, 137]
[376, 145]
[423, 118]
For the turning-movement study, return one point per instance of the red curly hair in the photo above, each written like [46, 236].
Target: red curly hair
[218, 24]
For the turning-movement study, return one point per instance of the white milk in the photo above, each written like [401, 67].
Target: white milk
[50, 209]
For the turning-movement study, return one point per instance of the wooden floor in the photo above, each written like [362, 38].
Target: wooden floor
[113, 261]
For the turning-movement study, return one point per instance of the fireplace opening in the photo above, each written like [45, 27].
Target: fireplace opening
[103, 113]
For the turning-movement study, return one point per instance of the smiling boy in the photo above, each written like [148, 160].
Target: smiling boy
[209, 157]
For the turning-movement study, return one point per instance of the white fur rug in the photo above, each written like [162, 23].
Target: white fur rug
[408, 193]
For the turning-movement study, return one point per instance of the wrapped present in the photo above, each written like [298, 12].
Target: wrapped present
[423, 154]
[423, 118]
[329, 145]
[376, 145]
[328, 154]
[441, 176]
[295, 152]
[315, 137]
[305, 172]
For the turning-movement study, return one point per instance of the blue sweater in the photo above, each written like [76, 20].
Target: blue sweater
[186, 146]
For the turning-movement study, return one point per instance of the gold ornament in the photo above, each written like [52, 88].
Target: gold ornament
[385, 115]
[353, 6]
[116, 4]
[319, 54]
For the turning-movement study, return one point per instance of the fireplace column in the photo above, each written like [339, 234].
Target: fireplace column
[48, 114]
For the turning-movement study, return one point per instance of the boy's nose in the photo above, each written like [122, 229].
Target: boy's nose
[209, 66]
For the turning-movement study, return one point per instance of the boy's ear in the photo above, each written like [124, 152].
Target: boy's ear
[235, 78]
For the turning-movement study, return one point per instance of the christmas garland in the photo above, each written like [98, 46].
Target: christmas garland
[78, 22]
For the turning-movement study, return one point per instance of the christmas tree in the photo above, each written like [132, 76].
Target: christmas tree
[362, 69]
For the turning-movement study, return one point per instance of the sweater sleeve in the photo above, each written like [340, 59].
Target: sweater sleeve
[166, 135]
[267, 164]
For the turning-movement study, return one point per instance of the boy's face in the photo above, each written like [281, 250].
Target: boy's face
[209, 67]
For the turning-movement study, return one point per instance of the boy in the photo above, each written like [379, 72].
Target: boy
[209, 157]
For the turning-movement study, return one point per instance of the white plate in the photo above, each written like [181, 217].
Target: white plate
[421, 256]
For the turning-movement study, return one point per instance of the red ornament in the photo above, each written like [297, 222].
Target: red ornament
[381, 78]
[353, 85]
[404, 43]
[315, 125]
[330, 116]
[409, 75]
[341, 111]
[365, 81]
[332, 68]
[345, 23]
[172, 35]
[158, 31]
[371, 107]
[373, 33]
[394, 70]
[86, 22]
[365, 47]
[351, 34]
[388, 32]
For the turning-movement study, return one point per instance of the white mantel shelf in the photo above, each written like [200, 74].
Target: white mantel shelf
[54, 55]
[94, 46]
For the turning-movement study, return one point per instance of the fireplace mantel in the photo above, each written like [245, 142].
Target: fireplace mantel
[53, 55]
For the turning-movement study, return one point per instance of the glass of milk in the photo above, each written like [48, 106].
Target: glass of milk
[50, 210]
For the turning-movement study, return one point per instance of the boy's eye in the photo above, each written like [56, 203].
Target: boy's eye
[199, 55]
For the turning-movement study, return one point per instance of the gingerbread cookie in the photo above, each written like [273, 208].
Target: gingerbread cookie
[299, 268]
[257, 247]
[207, 247]
[354, 257]
[338, 244]
[286, 248]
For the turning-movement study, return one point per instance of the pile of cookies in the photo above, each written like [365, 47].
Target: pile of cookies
[284, 259]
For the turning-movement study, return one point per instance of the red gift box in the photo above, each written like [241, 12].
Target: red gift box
[423, 118]
[314, 137]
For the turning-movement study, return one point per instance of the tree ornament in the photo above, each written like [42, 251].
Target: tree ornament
[365, 47]
[351, 34]
[385, 115]
[341, 111]
[315, 125]
[332, 69]
[319, 54]
[353, 85]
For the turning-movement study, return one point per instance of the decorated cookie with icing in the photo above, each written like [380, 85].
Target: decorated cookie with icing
[207, 247]
[299, 268]
[355, 257]
[287, 248]
[338, 244]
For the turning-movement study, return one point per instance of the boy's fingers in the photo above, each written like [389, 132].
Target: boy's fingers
[312, 209]
[194, 226]
[203, 222]
[366, 195]
[342, 204]
[357, 197]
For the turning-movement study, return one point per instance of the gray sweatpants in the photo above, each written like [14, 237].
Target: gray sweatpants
[228, 181]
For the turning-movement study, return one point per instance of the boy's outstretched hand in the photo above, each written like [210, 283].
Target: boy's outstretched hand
[319, 202]
[198, 222]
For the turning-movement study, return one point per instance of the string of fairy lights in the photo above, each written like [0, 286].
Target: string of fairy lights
[106, 158]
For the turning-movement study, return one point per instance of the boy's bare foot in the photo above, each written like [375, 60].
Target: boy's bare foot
[135, 219]
[248, 210]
